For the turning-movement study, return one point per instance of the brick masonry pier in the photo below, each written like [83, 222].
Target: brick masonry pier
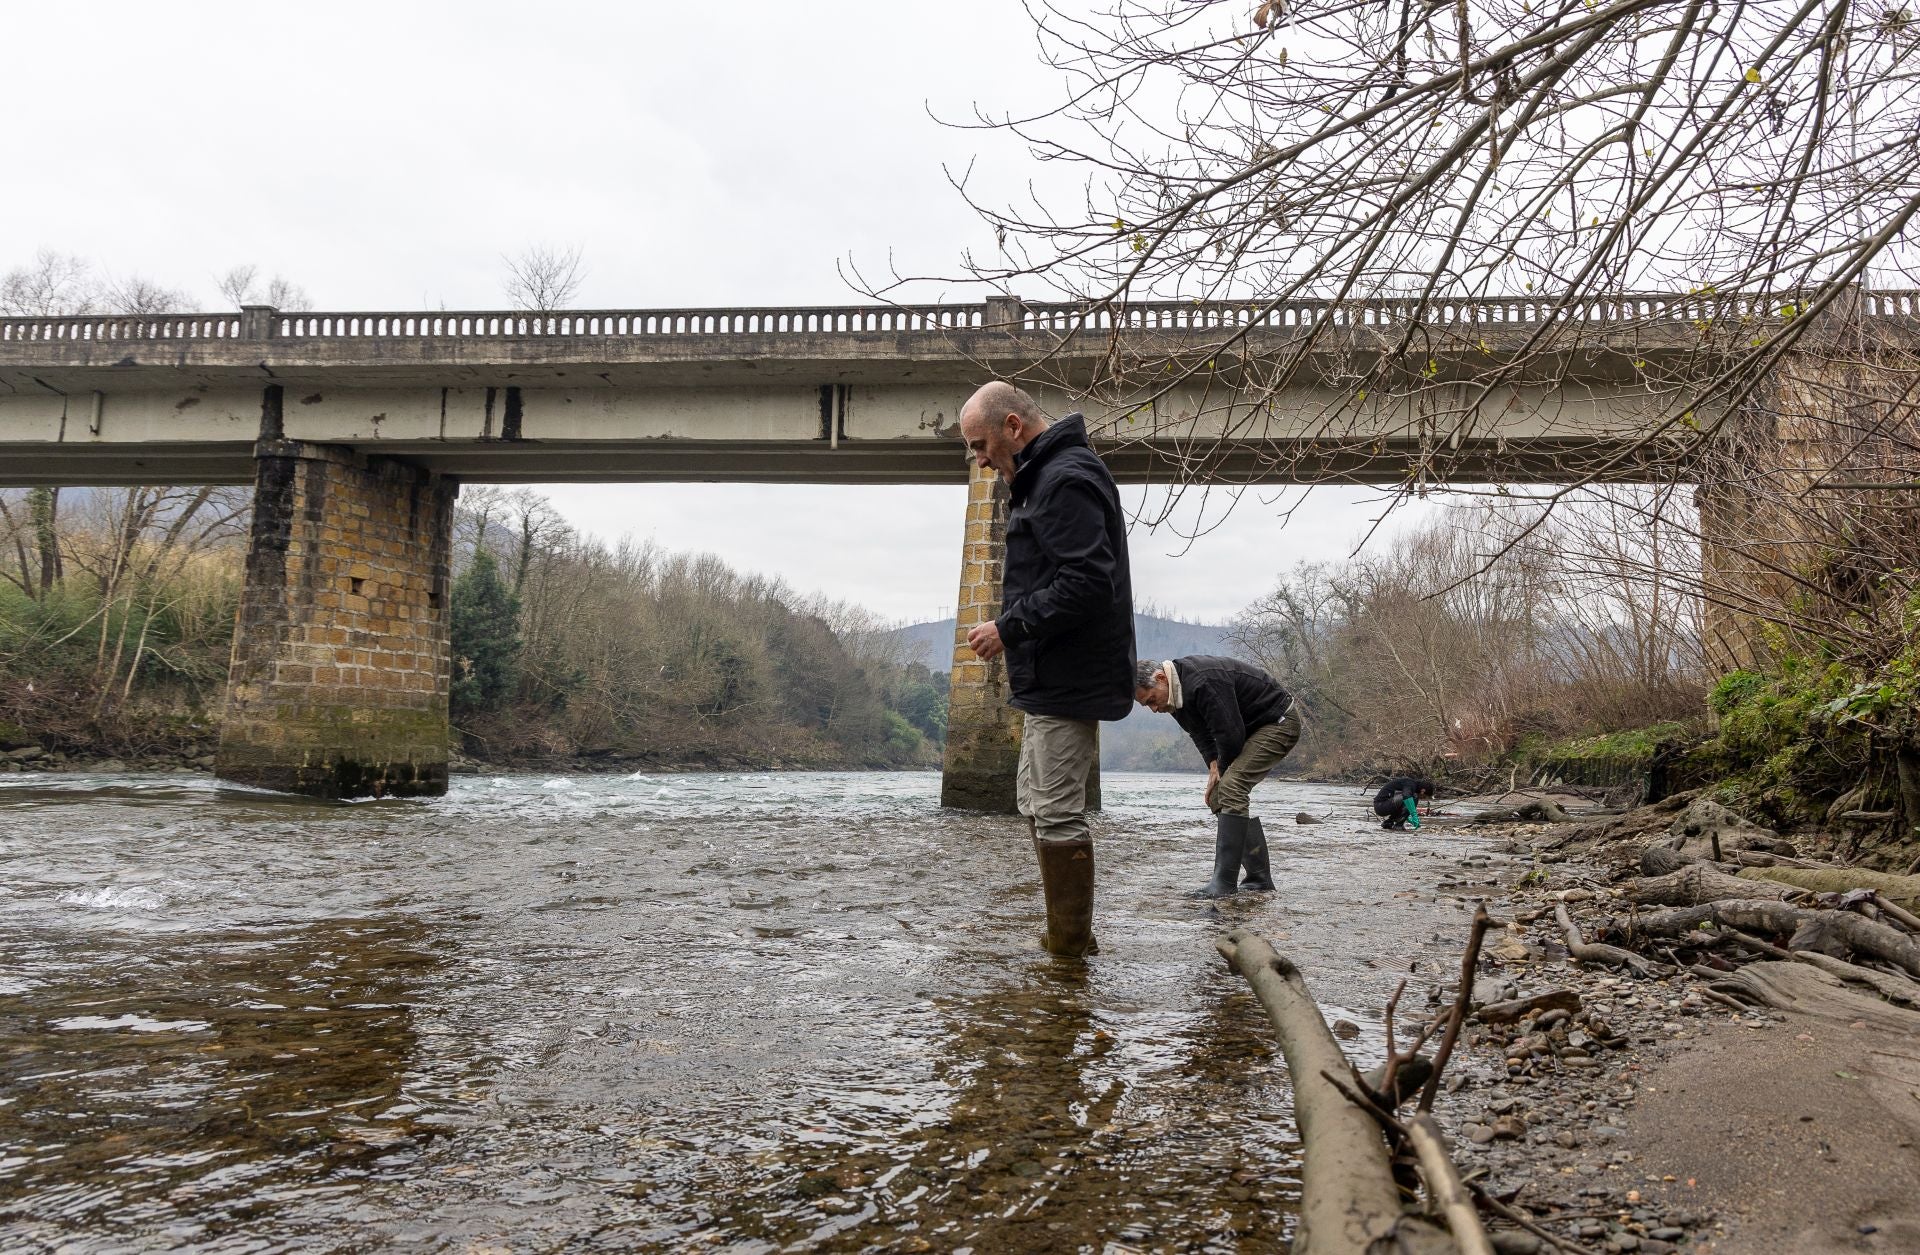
[339, 680]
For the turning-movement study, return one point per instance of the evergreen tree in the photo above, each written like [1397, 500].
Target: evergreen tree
[486, 638]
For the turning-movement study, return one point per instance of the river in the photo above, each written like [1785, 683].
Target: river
[739, 1013]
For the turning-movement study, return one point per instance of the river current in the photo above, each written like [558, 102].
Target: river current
[739, 1013]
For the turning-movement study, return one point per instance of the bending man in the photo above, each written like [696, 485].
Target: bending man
[1066, 627]
[1243, 724]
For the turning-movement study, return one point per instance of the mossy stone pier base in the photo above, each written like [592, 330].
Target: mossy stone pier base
[340, 673]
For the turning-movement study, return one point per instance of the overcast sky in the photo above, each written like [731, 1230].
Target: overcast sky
[385, 156]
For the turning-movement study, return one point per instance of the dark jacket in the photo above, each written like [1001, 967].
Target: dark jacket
[1397, 790]
[1223, 701]
[1066, 613]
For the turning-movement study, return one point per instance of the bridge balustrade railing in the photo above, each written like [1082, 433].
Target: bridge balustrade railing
[798, 320]
[1002, 314]
[121, 327]
[1625, 309]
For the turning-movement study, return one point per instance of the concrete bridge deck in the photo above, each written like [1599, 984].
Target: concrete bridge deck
[844, 394]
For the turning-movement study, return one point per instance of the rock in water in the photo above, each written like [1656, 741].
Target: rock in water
[1304, 818]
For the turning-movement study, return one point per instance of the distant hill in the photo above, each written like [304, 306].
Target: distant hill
[1143, 741]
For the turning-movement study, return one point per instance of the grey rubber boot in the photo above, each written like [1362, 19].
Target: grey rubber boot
[1229, 845]
[1259, 872]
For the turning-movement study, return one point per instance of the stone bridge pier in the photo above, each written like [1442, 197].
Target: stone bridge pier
[340, 674]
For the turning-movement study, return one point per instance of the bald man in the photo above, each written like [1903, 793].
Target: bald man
[1065, 626]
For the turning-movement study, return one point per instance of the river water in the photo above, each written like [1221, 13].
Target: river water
[741, 1013]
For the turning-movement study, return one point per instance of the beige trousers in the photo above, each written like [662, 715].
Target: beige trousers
[1260, 755]
[1056, 758]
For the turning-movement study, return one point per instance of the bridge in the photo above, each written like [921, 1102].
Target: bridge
[356, 429]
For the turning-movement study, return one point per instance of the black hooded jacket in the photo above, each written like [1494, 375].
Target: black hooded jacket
[1223, 701]
[1066, 613]
[1397, 790]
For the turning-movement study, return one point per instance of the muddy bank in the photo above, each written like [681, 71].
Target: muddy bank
[1649, 1111]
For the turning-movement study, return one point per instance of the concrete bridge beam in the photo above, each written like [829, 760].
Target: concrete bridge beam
[340, 674]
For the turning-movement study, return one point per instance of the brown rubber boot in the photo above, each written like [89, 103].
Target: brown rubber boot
[1066, 878]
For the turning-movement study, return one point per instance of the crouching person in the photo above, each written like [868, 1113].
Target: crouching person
[1243, 724]
[1398, 802]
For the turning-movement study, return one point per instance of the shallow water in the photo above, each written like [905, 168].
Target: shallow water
[722, 1013]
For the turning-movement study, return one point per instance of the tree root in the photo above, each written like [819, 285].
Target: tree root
[1861, 935]
[1584, 951]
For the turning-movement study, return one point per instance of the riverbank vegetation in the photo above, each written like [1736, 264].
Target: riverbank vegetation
[1469, 644]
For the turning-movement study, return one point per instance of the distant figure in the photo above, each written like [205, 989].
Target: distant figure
[1398, 801]
[1066, 626]
[1243, 724]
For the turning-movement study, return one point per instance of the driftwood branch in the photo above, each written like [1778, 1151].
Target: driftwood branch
[1585, 951]
[1445, 1188]
[1899, 914]
[1697, 883]
[1526, 1222]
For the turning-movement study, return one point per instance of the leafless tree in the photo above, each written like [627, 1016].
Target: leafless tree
[539, 530]
[54, 284]
[137, 295]
[1351, 178]
[242, 286]
[542, 278]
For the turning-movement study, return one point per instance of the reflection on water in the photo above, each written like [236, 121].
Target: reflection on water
[748, 1013]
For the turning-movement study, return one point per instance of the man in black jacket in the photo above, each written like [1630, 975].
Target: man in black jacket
[1243, 724]
[1066, 627]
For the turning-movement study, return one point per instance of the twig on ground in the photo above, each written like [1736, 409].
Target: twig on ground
[1515, 1215]
[1462, 999]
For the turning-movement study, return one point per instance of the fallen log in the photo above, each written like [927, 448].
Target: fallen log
[1861, 935]
[1584, 951]
[1762, 858]
[1349, 1204]
[1902, 891]
[1544, 811]
[1695, 884]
